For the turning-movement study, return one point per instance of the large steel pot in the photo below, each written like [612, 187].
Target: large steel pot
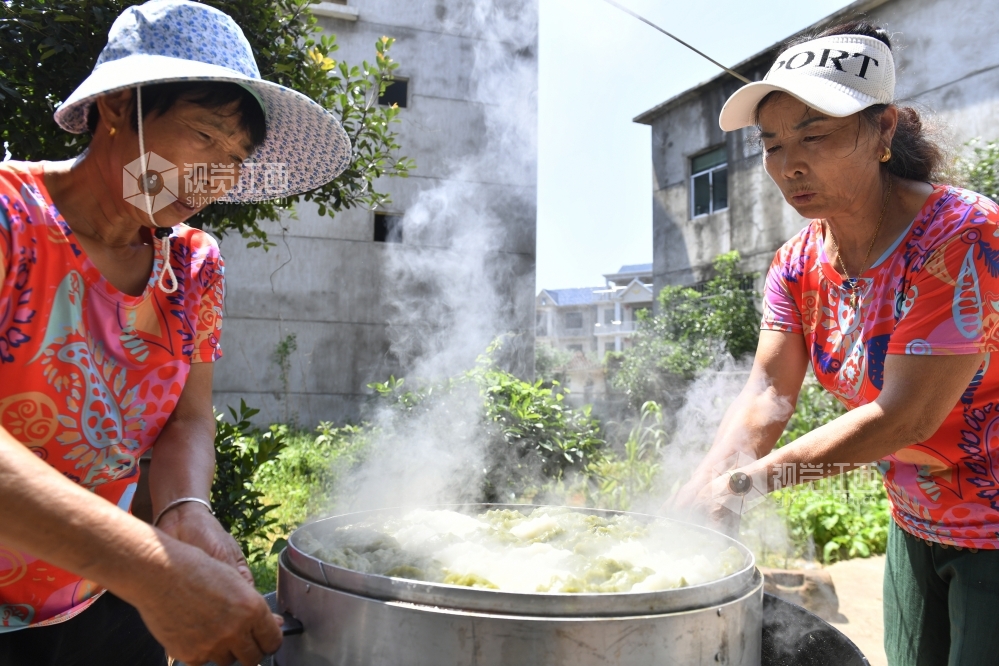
[351, 618]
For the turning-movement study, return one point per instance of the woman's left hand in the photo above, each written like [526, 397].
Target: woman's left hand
[194, 525]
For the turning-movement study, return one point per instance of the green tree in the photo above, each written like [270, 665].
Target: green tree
[48, 47]
[693, 329]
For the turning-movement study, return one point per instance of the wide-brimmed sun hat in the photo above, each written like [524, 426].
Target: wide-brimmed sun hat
[838, 75]
[176, 40]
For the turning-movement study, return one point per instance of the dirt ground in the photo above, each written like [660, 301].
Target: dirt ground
[858, 586]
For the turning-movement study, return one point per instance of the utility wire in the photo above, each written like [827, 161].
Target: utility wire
[675, 38]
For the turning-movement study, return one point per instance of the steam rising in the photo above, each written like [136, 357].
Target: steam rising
[452, 285]
[448, 287]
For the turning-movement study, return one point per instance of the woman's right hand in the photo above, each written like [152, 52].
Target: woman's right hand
[203, 610]
[707, 500]
[685, 501]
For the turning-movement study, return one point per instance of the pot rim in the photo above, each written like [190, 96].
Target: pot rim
[389, 588]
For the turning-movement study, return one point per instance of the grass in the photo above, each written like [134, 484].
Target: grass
[302, 482]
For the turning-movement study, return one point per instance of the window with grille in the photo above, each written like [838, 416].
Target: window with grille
[573, 319]
[708, 183]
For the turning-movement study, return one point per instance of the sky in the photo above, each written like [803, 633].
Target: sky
[599, 68]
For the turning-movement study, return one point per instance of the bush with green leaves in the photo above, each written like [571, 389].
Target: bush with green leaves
[47, 47]
[531, 434]
[979, 171]
[240, 450]
[692, 330]
[840, 517]
[551, 363]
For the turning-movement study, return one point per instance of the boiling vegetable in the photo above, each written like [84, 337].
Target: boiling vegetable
[550, 549]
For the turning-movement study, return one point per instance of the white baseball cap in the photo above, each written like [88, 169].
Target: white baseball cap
[838, 75]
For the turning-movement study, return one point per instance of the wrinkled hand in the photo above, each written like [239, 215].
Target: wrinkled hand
[709, 500]
[193, 524]
[201, 609]
[685, 501]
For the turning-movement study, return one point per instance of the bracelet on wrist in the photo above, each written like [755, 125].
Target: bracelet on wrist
[177, 502]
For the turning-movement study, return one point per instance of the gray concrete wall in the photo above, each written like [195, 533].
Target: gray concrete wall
[326, 281]
[951, 76]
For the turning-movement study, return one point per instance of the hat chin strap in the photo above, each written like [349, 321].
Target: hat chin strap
[162, 234]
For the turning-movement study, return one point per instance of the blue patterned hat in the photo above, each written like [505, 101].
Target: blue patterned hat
[177, 40]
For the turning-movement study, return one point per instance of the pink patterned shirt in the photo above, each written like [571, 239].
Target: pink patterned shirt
[936, 291]
[88, 375]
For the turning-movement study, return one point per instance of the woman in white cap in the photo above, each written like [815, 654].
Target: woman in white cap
[891, 292]
[110, 315]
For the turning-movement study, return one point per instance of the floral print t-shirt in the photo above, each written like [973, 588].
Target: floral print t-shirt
[936, 291]
[88, 375]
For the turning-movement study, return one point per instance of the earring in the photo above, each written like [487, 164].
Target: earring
[112, 131]
[887, 155]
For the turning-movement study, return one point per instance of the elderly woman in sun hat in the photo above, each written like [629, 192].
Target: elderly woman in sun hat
[891, 293]
[110, 316]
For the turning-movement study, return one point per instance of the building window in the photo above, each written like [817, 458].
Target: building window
[540, 324]
[573, 319]
[396, 92]
[609, 316]
[575, 348]
[388, 228]
[708, 183]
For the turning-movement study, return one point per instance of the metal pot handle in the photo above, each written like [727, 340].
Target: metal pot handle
[292, 626]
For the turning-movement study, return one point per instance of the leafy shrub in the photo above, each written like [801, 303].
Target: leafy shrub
[693, 329]
[300, 481]
[240, 450]
[546, 437]
[550, 364]
[980, 170]
[843, 516]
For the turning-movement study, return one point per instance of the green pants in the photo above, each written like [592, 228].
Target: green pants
[941, 604]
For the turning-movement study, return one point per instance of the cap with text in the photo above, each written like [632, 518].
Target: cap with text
[838, 75]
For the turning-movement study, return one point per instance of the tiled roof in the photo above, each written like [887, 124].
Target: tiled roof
[635, 268]
[580, 296]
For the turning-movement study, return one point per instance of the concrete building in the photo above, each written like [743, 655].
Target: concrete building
[327, 285]
[591, 321]
[710, 192]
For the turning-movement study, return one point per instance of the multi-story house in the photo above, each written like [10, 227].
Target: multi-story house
[591, 321]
